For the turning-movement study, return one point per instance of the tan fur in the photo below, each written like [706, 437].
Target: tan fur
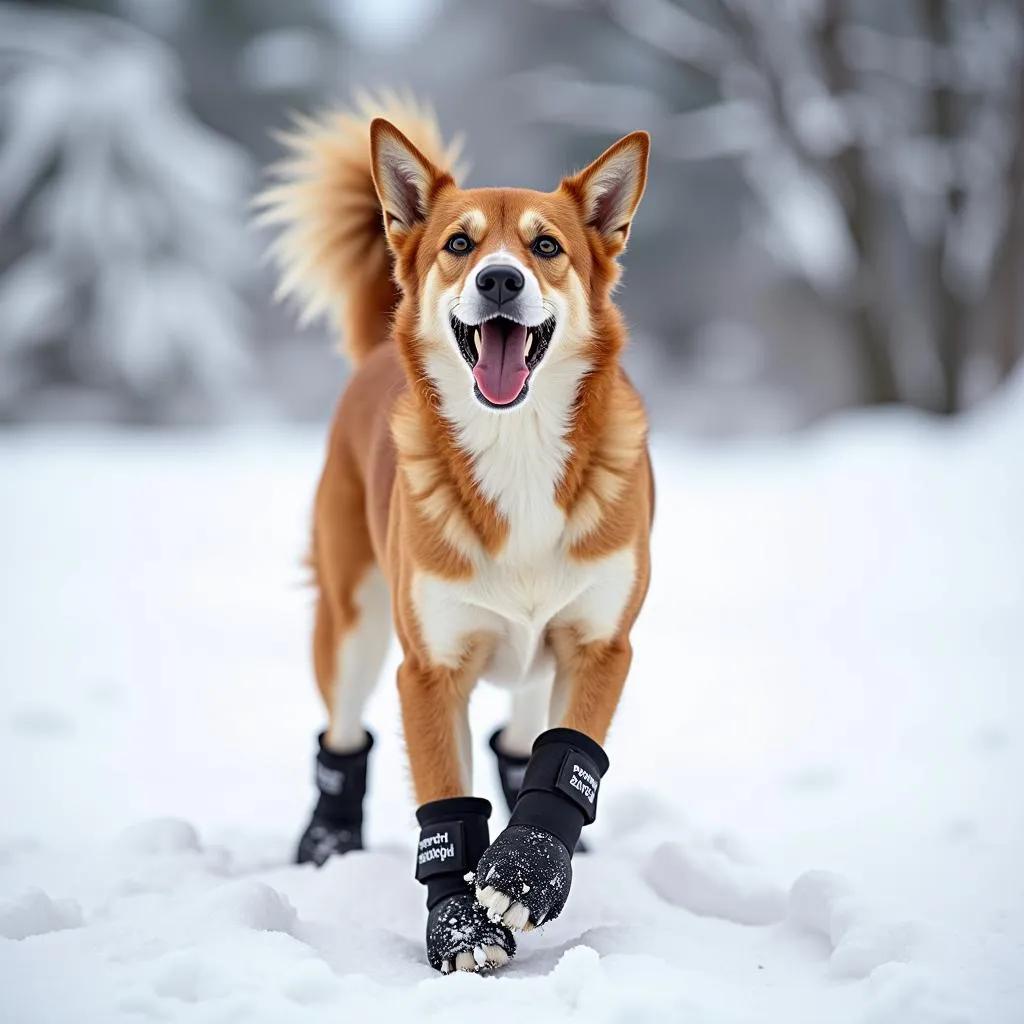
[332, 253]
[400, 489]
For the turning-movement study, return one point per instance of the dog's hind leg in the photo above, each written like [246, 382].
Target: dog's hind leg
[531, 710]
[359, 656]
[512, 743]
[350, 641]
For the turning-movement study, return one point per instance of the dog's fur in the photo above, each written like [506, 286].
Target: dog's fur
[505, 543]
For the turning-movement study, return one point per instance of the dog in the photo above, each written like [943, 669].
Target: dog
[487, 493]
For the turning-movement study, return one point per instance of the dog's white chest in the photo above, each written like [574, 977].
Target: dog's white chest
[514, 598]
[514, 605]
[533, 583]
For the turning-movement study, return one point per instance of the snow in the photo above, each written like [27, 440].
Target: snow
[705, 879]
[34, 913]
[824, 902]
[812, 813]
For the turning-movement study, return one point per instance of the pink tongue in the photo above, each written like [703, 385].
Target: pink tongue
[500, 370]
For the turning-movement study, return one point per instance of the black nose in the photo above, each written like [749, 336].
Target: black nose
[500, 284]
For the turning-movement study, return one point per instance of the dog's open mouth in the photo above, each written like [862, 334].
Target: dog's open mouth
[502, 354]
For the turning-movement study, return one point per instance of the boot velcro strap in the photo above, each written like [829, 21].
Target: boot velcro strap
[570, 763]
[559, 792]
[579, 779]
[453, 837]
[441, 850]
[341, 780]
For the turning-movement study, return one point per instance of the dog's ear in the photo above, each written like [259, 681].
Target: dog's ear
[404, 178]
[609, 190]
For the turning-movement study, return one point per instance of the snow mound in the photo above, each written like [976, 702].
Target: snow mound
[905, 994]
[160, 836]
[247, 904]
[35, 913]
[163, 855]
[824, 903]
[708, 881]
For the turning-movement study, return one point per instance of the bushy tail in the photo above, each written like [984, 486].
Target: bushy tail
[331, 252]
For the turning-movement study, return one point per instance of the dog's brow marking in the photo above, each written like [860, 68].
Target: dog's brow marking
[474, 223]
[531, 223]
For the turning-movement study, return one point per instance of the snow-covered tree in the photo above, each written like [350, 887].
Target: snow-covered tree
[883, 144]
[125, 248]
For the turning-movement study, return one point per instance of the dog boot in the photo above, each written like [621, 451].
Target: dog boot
[337, 822]
[524, 876]
[511, 769]
[460, 936]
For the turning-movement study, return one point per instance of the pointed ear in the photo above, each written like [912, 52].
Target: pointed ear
[404, 178]
[609, 190]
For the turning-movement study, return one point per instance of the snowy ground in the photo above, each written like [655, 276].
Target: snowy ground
[813, 812]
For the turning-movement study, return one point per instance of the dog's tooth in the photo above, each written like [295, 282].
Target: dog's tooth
[529, 343]
[476, 339]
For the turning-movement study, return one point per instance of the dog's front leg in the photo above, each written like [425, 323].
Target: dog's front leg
[524, 877]
[453, 824]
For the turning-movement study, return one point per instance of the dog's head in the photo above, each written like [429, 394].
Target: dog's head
[503, 281]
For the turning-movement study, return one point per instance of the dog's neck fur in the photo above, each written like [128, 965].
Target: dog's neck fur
[539, 475]
[519, 457]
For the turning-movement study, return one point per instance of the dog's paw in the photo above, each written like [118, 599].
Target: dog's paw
[323, 838]
[461, 937]
[523, 878]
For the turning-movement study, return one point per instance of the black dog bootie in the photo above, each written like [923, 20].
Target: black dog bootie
[523, 878]
[460, 936]
[511, 772]
[337, 822]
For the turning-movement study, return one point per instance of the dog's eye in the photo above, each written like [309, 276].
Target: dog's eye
[546, 246]
[459, 244]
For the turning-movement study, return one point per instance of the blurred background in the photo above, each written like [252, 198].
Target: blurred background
[835, 214]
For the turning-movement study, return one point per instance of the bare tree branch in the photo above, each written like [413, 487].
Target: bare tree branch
[819, 106]
[948, 313]
[861, 204]
[554, 95]
[1007, 281]
[673, 32]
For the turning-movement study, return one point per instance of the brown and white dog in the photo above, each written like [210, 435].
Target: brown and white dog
[487, 493]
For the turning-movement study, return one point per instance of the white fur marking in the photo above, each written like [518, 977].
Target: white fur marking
[519, 457]
[476, 222]
[598, 610]
[516, 601]
[529, 307]
[528, 717]
[360, 659]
